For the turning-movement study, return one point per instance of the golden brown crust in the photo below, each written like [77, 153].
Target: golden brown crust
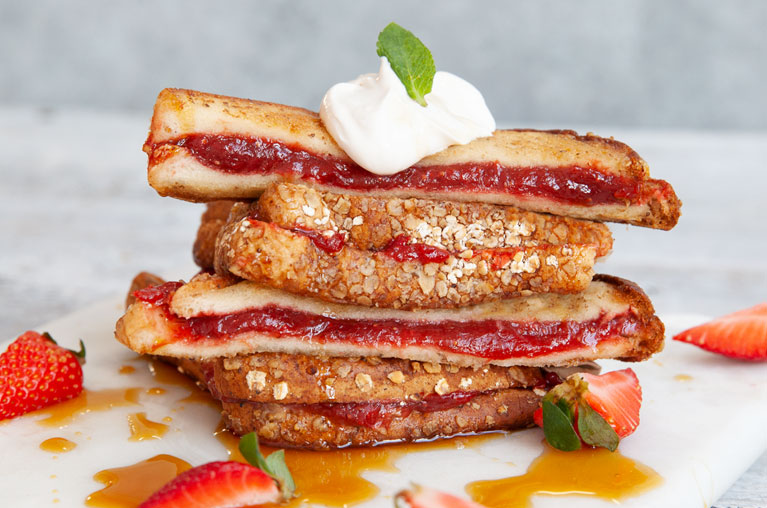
[652, 330]
[371, 222]
[212, 220]
[174, 171]
[294, 379]
[297, 426]
[279, 258]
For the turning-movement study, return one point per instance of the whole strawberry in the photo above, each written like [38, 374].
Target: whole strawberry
[35, 372]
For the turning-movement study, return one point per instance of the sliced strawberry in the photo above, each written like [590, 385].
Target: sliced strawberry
[422, 497]
[229, 484]
[214, 485]
[596, 410]
[741, 335]
[617, 397]
[35, 372]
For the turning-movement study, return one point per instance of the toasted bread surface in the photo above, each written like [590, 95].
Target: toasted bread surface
[148, 329]
[300, 426]
[371, 223]
[291, 261]
[303, 379]
[175, 171]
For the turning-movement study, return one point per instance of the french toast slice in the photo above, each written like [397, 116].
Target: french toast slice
[212, 317]
[204, 147]
[300, 263]
[372, 223]
[305, 379]
[323, 426]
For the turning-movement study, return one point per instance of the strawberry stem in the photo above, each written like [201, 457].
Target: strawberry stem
[80, 355]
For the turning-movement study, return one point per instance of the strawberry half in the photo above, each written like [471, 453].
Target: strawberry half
[591, 409]
[35, 372]
[225, 484]
[422, 497]
[741, 335]
[216, 484]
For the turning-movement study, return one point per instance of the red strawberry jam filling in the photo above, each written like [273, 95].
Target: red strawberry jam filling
[570, 184]
[331, 243]
[401, 249]
[493, 339]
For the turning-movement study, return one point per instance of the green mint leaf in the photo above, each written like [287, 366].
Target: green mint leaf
[595, 430]
[558, 428]
[273, 465]
[410, 60]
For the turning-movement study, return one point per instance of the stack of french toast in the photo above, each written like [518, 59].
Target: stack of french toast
[339, 308]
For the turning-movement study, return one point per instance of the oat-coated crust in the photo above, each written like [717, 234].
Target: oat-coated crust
[279, 258]
[372, 222]
[296, 426]
[174, 171]
[293, 379]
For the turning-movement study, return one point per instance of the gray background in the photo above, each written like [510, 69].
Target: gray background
[681, 64]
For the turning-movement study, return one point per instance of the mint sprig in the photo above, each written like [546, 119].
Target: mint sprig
[410, 60]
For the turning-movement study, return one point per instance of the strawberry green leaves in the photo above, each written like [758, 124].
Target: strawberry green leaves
[595, 430]
[558, 428]
[410, 60]
[589, 409]
[273, 465]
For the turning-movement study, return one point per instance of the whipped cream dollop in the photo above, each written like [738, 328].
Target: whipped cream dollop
[385, 131]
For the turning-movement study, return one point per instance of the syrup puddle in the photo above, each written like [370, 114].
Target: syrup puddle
[142, 428]
[683, 377]
[168, 374]
[334, 478]
[129, 486]
[127, 369]
[57, 445]
[586, 472]
[64, 413]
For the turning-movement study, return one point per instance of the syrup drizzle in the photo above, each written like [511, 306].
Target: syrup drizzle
[142, 428]
[334, 478]
[57, 445]
[64, 413]
[129, 486]
[169, 375]
[594, 472]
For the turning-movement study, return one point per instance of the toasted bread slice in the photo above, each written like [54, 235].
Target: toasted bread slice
[293, 261]
[372, 223]
[313, 426]
[204, 147]
[304, 379]
[210, 317]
